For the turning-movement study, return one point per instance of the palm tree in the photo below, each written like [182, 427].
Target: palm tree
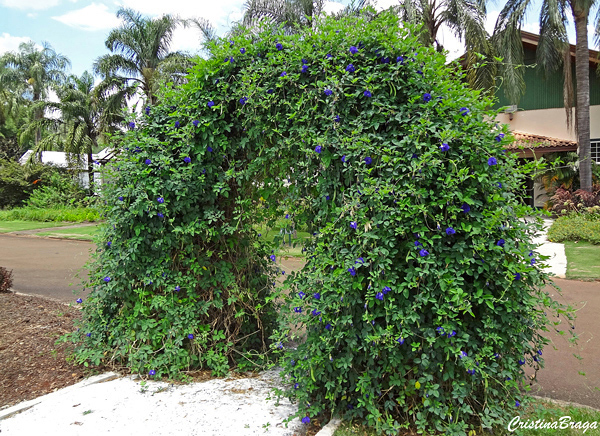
[466, 19]
[140, 55]
[77, 122]
[37, 70]
[553, 50]
[289, 13]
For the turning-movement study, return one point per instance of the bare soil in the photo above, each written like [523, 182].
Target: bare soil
[32, 364]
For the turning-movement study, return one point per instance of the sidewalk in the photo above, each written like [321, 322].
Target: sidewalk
[558, 260]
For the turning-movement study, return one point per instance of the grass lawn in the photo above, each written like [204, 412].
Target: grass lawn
[538, 409]
[86, 233]
[583, 260]
[295, 250]
[17, 226]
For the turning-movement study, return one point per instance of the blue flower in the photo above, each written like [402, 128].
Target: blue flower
[131, 125]
[160, 200]
[177, 124]
[152, 372]
[187, 159]
[500, 242]
[177, 288]
[272, 257]
[121, 198]
[499, 137]
[385, 60]
[160, 215]
[304, 68]
[79, 300]
[353, 49]
[306, 420]
[337, 119]
[283, 74]
[466, 208]
[471, 371]
[464, 111]
[427, 97]
[359, 260]
[368, 160]
[190, 336]
[88, 335]
[379, 296]
[296, 385]
[318, 149]
[243, 100]
[195, 123]
[400, 341]
[147, 110]
[328, 92]
[532, 262]
[517, 404]
[242, 50]
[287, 216]
[282, 273]
[423, 252]
[517, 276]
[148, 161]
[499, 184]
[521, 362]
[440, 329]
[301, 295]
[210, 103]
[350, 68]
[450, 231]
[304, 61]
[400, 59]
[278, 46]
[315, 312]
[293, 362]
[367, 93]
[327, 197]
[417, 243]
[353, 225]
[444, 147]
[463, 354]
[298, 309]
[209, 149]
[344, 158]
[352, 271]
[492, 161]
[317, 296]
[109, 243]
[328, 56]
[452, 334]
[107, 279]
[328, 327]
[386, 289]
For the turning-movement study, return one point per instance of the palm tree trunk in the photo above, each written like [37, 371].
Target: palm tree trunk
[582, 77]
[37, 115]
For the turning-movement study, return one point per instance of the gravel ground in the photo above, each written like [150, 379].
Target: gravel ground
[122, 406]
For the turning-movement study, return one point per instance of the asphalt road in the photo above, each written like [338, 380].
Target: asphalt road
[48, 267]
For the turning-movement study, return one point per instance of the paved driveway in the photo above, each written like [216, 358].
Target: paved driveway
[43, 266]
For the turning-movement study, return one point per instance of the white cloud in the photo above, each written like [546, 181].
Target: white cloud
[93, 17]
[332, 7]
[11, 43]
[30, 4]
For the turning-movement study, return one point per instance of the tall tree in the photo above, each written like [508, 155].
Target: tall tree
[553, 50]
[466, 19]
[37, 70]
[289, 13]
[140, 55]
[77, 122]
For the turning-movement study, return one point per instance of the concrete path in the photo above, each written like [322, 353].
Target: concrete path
[48, 267]
[49, 229]
[558, 260]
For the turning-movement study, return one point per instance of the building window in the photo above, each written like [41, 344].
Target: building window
[595, 150]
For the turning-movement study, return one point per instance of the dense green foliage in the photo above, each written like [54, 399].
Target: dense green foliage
[577, 227]
[17, 182]
[421, 299]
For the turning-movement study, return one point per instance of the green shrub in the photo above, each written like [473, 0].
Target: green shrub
[17, 182]
[420, 302]
[60, 189]
[74, 214]
[576, 227]
[6, 280]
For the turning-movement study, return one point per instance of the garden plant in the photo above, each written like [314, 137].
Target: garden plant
[420, 303]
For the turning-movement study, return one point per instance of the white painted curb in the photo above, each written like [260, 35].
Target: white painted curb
[24, 405]
[330, 428]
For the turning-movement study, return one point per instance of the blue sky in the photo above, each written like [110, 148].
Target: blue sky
[78, 28]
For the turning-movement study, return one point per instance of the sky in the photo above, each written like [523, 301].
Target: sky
[78, 28]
